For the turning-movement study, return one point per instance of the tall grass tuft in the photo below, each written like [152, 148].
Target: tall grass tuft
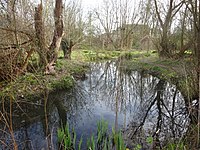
[66, 140]
[102, 141]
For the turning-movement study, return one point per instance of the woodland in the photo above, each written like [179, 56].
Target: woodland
[46, 45]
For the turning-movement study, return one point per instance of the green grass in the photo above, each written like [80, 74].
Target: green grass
[66, 139]
[150, 62]
[94, 55]
[64, 83]
[103, 140]
[175, 146]
[24, 86]
[31, 85]
[179, 72]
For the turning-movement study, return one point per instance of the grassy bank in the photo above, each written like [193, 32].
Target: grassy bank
[34, 84]
[176, 71]
[180, 72]
[95, 55]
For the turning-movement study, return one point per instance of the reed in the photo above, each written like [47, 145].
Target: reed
[67, 140]
[102, 141]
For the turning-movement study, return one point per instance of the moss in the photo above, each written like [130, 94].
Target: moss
[64, 83]
[23, 86]
[34, 84]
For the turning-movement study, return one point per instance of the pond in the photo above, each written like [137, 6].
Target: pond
[135, 102]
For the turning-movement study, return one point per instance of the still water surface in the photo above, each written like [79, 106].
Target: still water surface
[126, 99]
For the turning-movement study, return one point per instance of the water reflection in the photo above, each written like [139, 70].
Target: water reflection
[134, 101]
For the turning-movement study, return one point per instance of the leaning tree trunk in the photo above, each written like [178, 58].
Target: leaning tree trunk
[58, 33]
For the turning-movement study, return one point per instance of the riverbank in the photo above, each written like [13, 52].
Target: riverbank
[34, 84]
[30, 85]
[180, 72]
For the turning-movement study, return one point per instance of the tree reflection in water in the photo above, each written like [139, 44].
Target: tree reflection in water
[149, 105]
[138, 103]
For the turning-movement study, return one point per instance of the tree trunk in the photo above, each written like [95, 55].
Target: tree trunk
[40, 35]
[164, 52]
[165, 25]
[48, 57]
[58, 32]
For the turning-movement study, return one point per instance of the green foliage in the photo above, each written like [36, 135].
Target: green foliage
[157, 68]
[147, 55]
[129, 56]
[149, 140]
[80, 143]
[70, 67]
[102, 140]
[174, 146]
[117, 139]
[91, 143]
[189, 52]
[138, 147]
[66, 82]
[105, 141]
[102, 131]
[138, 56]
[95, 55]
[24, 86]
[66, 140]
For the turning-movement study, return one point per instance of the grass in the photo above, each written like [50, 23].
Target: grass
[32, 85]
[180, 72]
[167, 69]
[94, 55]
[173, 146]
[66, 139]
[103, 140]
[64, 83]
[24, 86]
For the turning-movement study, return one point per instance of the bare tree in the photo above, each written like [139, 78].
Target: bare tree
[194, 8]
[16, 37]
[73, 21]
[118, 19]
[172, 7]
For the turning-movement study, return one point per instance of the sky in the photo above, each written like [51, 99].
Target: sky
[89, 4]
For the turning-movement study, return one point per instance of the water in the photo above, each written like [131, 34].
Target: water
[130, 100]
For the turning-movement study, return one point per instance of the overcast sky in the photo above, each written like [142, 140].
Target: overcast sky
[88, 4]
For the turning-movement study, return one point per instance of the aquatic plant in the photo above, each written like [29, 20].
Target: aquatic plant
[67, 140]
[102, 141]
[117, 140]
[174, 146]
